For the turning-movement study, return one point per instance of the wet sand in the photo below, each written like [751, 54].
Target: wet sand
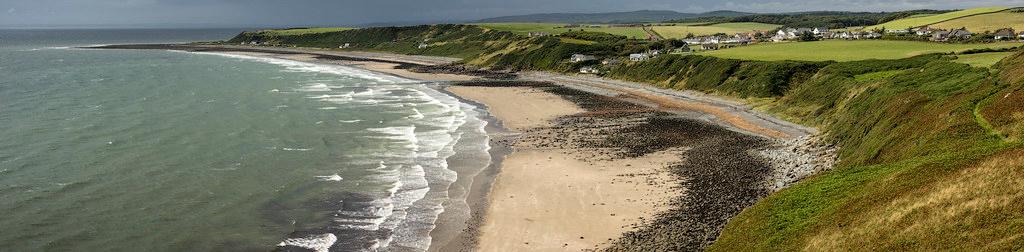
[562, 198]
[599, 164]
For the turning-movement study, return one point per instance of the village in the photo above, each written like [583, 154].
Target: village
[789, 35]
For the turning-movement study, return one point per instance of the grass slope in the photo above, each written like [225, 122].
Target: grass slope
[524, 28]
[986, 22]
[929, 161]
[982, 59]
[301, 31]
[933, 19]
[681, 30]
[845, 50]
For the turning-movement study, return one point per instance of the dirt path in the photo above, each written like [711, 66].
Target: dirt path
[734, 115]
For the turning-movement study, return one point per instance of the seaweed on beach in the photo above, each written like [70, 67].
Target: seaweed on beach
[721, 174]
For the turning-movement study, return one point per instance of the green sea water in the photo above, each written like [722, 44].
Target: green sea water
[121, 150]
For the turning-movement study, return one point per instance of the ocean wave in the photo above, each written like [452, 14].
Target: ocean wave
[317, 243]
[298, 66]
[334, 177]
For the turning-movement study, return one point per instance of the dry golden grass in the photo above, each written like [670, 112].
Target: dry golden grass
[978, 208]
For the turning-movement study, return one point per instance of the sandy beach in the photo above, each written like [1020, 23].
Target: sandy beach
[586, 163]
[563, 199]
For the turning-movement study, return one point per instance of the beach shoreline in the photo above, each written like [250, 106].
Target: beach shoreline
[707, 158]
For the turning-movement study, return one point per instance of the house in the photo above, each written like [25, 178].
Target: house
[709, 47]
[819, 31]
[871, 35]
[960, 34]
[538, 34]
[611, 62]
[423, 45]
[589, 70]
[639, 57]
[581, 58]
[897, 31]
[1005, 33]
[926, 31]
[345, 45]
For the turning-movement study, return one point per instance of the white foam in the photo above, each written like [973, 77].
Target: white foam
[334, 177]
[318, 243]
[298, 66]
[296, 149]
[350, 121]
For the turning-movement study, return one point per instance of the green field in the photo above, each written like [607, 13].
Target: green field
[982, 59]
[680, 31]
[306, 30]
[845, 50]
[986, 22]
[667, 31]
[933, 19]
[524, 28]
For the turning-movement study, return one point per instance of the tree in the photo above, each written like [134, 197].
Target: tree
[807, 36]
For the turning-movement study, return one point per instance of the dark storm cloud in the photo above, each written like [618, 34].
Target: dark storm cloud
[347, 12]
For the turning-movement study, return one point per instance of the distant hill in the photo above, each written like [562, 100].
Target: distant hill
[830, 19]
[609, 17]
[934, 19]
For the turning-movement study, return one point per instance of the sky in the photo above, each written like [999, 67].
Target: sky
[288, 13]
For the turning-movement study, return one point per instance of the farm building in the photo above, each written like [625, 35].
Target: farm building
[581, 58]
[589, 70]
[639, 57]
[1005, 33]
[538, 34]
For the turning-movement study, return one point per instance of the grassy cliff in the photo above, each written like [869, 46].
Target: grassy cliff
[930, 159]
[930, 153]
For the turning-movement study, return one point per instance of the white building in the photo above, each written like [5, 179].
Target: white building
[636, 57]
[589, 70]
[581, 58]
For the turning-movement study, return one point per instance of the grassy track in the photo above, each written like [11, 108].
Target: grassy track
[986, 22]
[286, 32]
[524, 28]
[674, 31]
[845, 50]
[680, 31]
[982, 59]
[933, 19]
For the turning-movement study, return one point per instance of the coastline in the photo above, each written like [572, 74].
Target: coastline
[722, 163]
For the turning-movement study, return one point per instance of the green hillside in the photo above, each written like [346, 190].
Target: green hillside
[524, 28]
[933, 19]
[986, 22]
[931, 159]
[846, 50]
[682, 30]
[931, 156]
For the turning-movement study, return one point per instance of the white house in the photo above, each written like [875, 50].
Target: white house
[1005, 33]
[538, 34]
[639, 57]
[819, 31]
[581, 58]
[589, 70]
[346, 45]
[423, 45]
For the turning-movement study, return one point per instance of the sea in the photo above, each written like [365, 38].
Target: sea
[151, 150]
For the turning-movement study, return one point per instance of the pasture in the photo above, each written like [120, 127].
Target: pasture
[982, 59]
[524, 28]
[300, 31]
[933, 19]
[986, 22]
[845, 50]
[680, 31]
